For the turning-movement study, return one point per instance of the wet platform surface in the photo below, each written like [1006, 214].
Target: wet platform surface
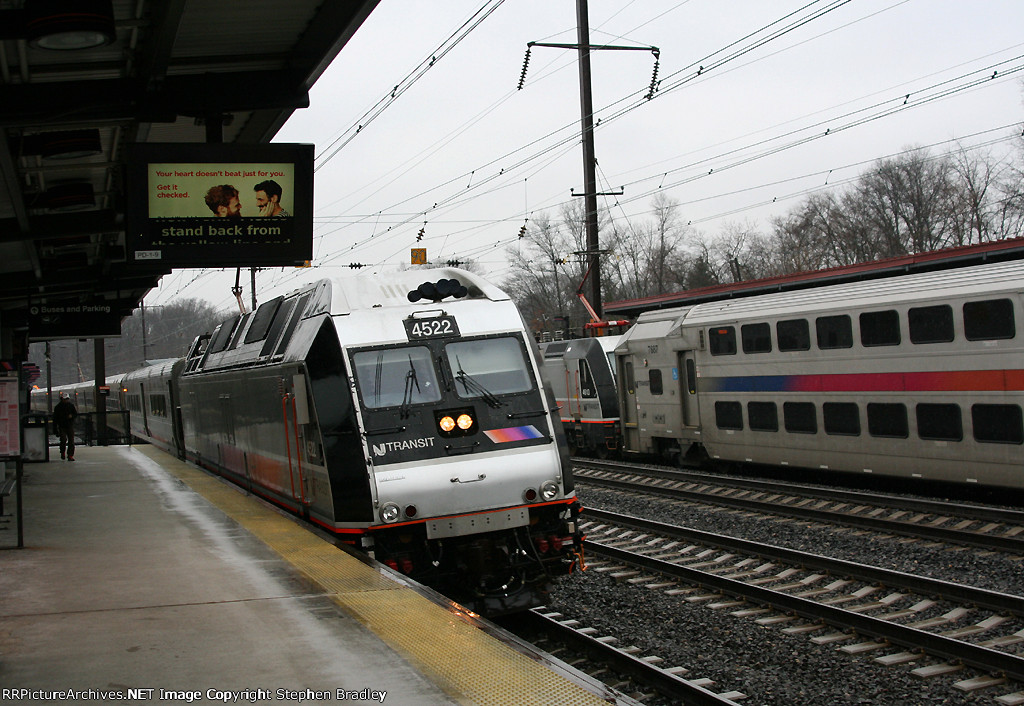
[142, 573]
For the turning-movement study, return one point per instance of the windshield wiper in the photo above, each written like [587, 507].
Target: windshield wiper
[472, 385]
[378, 375]
[411, 380]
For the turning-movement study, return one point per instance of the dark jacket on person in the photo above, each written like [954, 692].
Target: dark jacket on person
[64, 414]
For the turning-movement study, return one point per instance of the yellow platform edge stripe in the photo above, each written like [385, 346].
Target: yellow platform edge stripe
[465, 662]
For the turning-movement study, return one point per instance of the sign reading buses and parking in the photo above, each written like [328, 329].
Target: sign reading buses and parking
[94, 318]
[215, 205]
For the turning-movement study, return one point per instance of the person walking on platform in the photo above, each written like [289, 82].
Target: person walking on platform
[64, 419]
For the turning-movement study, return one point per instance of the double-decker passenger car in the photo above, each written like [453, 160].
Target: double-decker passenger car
[916, 376]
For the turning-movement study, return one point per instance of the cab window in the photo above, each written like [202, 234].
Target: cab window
[488, 366]
[396, 376]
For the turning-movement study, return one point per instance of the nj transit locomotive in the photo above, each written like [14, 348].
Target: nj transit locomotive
[918, 376]
[580, 373]
[408, 419]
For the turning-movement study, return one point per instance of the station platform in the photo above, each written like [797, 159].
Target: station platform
[143, 577]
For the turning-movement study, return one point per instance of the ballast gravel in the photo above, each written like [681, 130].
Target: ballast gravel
[768, 665]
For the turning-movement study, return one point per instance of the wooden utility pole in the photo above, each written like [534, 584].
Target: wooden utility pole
[589, 159]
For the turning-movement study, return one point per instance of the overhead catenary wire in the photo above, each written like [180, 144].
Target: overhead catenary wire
[513, 173]
[938, 91]
[402, 86]
[572, 137]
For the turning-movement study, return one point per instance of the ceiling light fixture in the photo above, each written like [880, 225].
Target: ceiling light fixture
[70, 144]
[70, 196]
[67, 25]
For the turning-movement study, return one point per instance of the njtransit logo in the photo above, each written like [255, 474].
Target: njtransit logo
[383, 449]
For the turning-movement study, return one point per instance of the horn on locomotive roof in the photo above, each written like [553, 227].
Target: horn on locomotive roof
[436, 291]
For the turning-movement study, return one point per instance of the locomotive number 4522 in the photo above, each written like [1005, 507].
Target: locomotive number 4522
[439, 327]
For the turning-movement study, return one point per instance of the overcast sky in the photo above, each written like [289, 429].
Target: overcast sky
[742, 126]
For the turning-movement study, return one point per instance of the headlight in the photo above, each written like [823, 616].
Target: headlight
[390, 512]
[549, 490]
[452, 423]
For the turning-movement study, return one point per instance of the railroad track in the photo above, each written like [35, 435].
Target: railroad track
[909, 618]
[625, 669]
[992, 529]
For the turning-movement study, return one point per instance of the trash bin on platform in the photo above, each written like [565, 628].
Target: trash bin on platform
[35, 440]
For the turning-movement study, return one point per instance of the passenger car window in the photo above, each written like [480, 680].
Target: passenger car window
[887, 420]
[989, 320]
[834, 332]
[940, 422]
[763, 416]
[997, 423]
[931, 324]
[395, 376]
[722, 341]
[485, 366]
[729, 415]
[880, 328]
[800, 417]
[793, 335]
[757, 338]
[841, 418]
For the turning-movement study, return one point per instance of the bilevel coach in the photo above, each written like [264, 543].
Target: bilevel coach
[918, 376]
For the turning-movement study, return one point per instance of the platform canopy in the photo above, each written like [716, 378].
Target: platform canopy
[80, 80]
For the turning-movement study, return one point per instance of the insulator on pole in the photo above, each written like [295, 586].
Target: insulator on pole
[526, 63]
[654, 81]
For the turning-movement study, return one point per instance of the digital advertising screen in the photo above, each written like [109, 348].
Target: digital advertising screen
[217, 205]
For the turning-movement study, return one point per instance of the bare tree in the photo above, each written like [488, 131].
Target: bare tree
[1008, 218]
[644, 259]
[545, 273]
[646, 254]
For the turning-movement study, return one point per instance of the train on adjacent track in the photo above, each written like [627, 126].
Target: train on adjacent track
[917, 376]
[579, 372]
[407, 418]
